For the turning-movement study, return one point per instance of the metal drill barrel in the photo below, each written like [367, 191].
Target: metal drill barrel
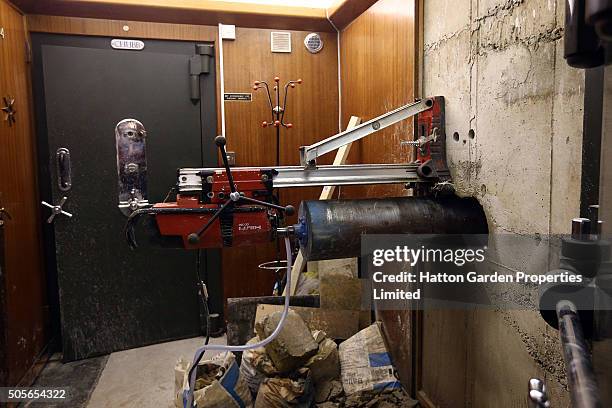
[331, 229]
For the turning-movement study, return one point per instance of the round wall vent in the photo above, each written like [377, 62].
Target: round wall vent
[313, 43]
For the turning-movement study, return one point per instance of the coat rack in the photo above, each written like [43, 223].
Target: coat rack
[277, 112]
[277, 108]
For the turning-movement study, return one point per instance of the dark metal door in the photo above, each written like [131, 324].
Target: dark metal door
[110, 297]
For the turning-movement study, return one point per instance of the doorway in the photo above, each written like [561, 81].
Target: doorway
[107, 296]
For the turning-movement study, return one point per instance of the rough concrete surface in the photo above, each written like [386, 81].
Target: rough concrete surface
[144, 377]
[500, 65]
[79, 378]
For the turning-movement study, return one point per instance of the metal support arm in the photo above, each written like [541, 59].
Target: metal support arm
[309, 154]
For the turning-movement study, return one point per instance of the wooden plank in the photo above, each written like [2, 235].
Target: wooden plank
[341, 157]
[326, 194]
[337, 324]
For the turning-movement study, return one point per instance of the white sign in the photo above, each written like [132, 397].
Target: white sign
[228, 32]
[120, 44]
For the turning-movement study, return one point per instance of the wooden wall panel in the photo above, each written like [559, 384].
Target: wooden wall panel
[312, 108]
[378, 74]
[377, 55]
[114, 28]
[343, 12]
[185, 12]
[23, 308]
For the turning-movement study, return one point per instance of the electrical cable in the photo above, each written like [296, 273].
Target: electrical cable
[203, 294]
[218, 347]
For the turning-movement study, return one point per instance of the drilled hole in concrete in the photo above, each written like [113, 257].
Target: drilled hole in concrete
[471, 134]
[464, 141]
[456, 136]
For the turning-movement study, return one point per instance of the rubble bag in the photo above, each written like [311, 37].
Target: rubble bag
[295, 391]
[256, 366]
[365, 363]
[218, 384]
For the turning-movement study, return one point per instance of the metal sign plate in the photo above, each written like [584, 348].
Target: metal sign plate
[125, 44]
[245, 97]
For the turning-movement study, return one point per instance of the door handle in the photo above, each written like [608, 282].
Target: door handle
[64, 171]
[57, 209]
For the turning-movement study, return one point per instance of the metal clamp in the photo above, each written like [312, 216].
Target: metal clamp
[56, 209]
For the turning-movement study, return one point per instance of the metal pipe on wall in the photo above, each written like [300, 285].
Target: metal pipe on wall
[576, 353]
[332, 229]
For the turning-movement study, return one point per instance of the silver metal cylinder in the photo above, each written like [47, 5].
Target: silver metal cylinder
[576, 353]
[581, 228]
[332, 229]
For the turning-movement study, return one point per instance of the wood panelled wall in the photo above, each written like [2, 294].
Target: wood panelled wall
[23, 291]
[312, 109]
[115, 28]
[379, 74]
[377, 54]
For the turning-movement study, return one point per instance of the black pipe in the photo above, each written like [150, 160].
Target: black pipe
[580, 375]
[591, 138]
[331, 229]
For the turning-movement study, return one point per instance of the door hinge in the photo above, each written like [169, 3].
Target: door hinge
[199, 64]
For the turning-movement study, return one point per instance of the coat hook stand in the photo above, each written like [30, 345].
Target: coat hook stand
[277, 108]
[277, 112]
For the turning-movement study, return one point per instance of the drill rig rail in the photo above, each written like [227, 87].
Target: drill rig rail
[191, 180]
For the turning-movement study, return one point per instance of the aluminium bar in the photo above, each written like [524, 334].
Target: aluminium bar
[189, 179]
[309, 154]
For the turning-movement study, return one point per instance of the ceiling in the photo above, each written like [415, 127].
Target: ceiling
[312, 15]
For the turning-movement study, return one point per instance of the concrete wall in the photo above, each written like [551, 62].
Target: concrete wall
[500, 65]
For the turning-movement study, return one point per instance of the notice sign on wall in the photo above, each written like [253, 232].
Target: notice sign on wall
[245, 97]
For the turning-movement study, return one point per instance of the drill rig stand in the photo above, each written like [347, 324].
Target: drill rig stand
[221, 207]
[243, 219]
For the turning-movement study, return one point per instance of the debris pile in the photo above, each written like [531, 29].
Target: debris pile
[303, 368]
